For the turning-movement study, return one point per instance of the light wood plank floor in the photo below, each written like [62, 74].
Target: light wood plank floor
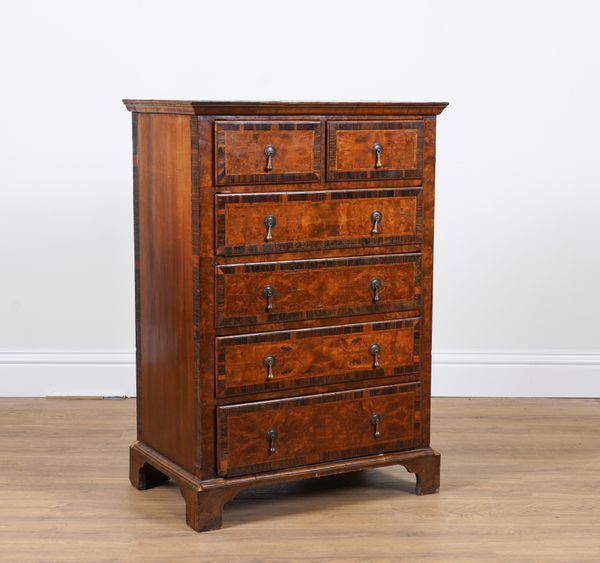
[520, 482]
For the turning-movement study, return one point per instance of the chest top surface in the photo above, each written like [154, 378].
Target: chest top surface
[213, 107]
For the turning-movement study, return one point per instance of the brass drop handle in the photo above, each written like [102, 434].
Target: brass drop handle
[268, 294]
[376, 421]
[269, 152]
[271, 435]
[269, 362]
[376, 217]
[375, 350]
[269, 222]
[378, 151]
[375, 287]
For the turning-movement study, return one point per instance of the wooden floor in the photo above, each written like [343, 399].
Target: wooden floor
[520, 482]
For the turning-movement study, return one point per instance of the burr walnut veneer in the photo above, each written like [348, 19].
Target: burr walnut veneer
[283, 293]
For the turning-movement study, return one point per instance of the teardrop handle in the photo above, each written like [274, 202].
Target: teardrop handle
[268, 293]
[375, 287]
[269, 222]
[269, 362]
[375, 350]
[269, 152]
[376, 217]
[271, 435]
[376, 422]
[378, 151]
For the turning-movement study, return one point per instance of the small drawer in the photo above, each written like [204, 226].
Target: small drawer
[256, 152]
[362, 150]
[267, 292]
[268, 435]
[288, 221]
[288, 359]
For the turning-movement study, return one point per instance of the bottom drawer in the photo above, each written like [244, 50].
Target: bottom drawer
[270, 435]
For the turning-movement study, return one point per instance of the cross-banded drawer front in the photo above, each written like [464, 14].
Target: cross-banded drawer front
[287, 221]
[270, 435]
[360, 150]
[287, 359]
[266, 292]
[254, 152]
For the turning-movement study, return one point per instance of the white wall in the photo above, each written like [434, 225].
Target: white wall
[517, 286]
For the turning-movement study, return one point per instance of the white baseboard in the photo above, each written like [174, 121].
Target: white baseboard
[456, 374]
[67, 373]
[476, 374]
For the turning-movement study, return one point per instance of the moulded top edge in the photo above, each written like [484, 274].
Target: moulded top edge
[274, 108]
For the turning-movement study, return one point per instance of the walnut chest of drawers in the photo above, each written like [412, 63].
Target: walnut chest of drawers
[283, 293]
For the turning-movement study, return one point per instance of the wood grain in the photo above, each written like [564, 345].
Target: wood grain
[317, 356]
[520, 483]
[316, 288]
[427, 276]
[204, 306]
[350, 149]
[316, 428]
[240, 149]
[163, 239]
[317, 220]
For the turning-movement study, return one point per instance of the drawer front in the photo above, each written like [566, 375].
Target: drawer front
[271, 435]
[267, 292]
[283, 222]
[352, 151]
[299, 358]
[253, 152]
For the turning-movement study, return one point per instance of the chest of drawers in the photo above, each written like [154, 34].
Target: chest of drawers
[283, 258]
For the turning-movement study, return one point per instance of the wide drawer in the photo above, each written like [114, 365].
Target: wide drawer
[282, 222]
[360, 150]
[252, 152]
[267, 292]
[271, 435]
[287, 359]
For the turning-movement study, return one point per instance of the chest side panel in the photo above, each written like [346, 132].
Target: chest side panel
[164, 293]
